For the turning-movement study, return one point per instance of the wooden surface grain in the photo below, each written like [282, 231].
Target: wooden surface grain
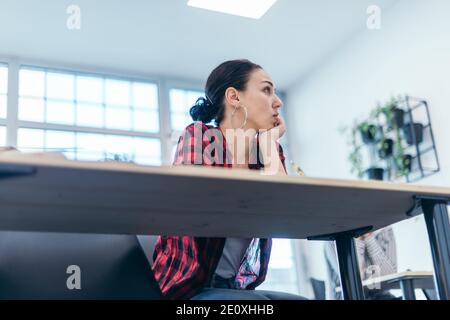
[123, 198]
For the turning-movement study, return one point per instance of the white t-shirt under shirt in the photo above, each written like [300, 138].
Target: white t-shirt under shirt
[233, 252]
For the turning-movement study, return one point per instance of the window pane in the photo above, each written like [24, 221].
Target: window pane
[146, 121]
[117, 93]
[3, 80]
[89, 115]
[90, 146]
[145, 95]
[282, 274]
[180, 103]
[3, 106]
[147, 151]
[31, 83]
[60, 112]
[118, 118]
[30, 140]
[90, 89]
[180, 121]
[60, 86]
[89, 101]
[60, 141]
[177, 101]
[281, 256]
[31, 109]
[2, 136]
[192, 97]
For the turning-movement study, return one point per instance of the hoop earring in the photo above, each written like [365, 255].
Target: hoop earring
[245, 120]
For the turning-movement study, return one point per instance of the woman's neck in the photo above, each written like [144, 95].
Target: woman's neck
[238, 143]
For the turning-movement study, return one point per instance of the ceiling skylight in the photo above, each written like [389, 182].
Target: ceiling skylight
[254, 9]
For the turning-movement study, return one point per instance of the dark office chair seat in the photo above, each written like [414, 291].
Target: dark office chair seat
[35, 265]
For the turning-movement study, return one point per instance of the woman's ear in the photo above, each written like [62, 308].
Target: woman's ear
[232, 96]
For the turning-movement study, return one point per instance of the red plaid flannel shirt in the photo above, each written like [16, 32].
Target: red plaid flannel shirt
[184, 265]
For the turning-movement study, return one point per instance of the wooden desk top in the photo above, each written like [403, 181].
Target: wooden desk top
[393, 280]
[112, 197]
[422, 280]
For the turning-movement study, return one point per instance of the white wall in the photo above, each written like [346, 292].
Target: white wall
[409, 55]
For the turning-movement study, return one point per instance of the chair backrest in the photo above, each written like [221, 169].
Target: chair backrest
[74, 266]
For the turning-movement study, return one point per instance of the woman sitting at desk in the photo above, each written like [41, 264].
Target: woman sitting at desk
[239, 95]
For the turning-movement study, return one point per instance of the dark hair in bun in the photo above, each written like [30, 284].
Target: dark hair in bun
[203, 110]
[233, 73]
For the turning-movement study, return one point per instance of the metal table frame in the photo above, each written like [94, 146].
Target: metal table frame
[438, 227]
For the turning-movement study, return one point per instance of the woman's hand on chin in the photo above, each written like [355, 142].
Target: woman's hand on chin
[277, 131]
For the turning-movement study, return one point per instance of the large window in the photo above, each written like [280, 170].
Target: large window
[2, 136]
[122, 114]
[3, 100]
[72, 99]
[90, 146]
[282, 273]
[3, 89]
[180, 103]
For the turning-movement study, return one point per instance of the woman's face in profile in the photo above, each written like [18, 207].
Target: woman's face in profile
[261, 101]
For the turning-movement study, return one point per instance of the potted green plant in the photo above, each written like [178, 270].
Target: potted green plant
[386, 148]
[402, 161]
[404, 165]
[398, 118]
[355, 157]
[369, 132]
[375, 173]
[407, 162]
[395, 117]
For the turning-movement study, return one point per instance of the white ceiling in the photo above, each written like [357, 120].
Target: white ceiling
[168, 38]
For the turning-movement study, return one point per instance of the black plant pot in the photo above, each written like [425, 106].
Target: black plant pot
[404, 164]
[418, 131]
[386, 148]
[370, 135]
[398, 118]
[375, 173]
[407, 162]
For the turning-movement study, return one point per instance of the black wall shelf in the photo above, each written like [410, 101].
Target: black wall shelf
[415, 137]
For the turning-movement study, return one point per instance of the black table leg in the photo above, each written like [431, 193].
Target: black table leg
[438, 226]
[349, 269]
[348, 261]
[407, 287]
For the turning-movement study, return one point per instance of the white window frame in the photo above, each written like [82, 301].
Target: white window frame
[12, 122]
